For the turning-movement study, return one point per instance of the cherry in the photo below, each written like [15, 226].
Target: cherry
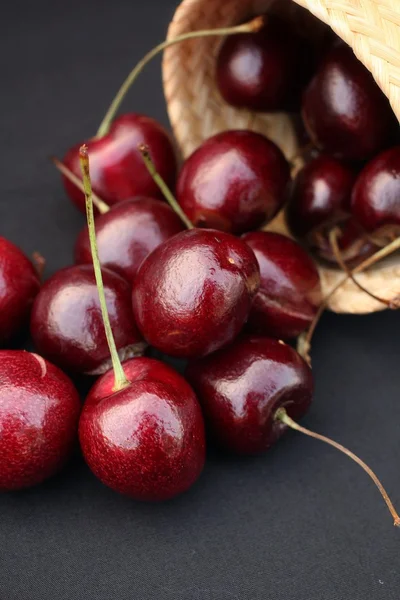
[141, 429]
[375, 201]
[320, 202]
[66, 322]
[264, 71]
[19, 284]
[320, 195]
[241, 387]
[290, 290]
[145, 440]
[344, 111]
[128, 233]
[117, 168]
[252, 391]
[235, 181]
[193, 294]
[39, 411]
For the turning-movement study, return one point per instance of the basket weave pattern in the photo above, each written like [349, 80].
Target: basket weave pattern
[197, 111]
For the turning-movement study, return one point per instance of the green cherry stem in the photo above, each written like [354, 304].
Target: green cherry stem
[101, 206]
[120, 378]
[144, 151]
[252, 26]
[282, 416]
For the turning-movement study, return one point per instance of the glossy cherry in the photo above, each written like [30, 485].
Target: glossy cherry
[39, 411]
[264, 71]
[19, 284]
[290, 289]
[66, 322]
[320, 202]
[375, 201]
[127, 233]
[344, 111]
[252, 391]
[241, 387]
[235, 181]
[320, 195]
[117, 168]
[146, 440]
[193, 294]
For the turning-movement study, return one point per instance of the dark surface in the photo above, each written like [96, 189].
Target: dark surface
[300, 523]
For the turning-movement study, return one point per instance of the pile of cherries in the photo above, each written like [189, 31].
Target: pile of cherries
[179, 278]
[351, 184]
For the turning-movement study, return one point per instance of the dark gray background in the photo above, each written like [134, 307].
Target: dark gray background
[300, 523]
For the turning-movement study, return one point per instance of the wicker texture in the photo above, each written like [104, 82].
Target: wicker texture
[196, 110]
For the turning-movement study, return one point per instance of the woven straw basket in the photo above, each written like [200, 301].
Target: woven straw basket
[196, 110]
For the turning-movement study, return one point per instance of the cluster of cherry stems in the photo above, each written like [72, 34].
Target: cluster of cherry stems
[177, 277]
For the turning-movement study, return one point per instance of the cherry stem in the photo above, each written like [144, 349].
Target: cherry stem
[382, 253]
[39, 262]
[172, 201]
[281, 415]
[101, 206]
[251, 27]
[305, 340]
[120, 378]
[333, 240]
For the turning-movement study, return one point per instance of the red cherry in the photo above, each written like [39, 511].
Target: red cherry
[319, 203]
[344, 111]
[264, 71]
[252, 391]
[66, 322]
[117, 169]
[235, 181]
[147, 440]
[290, 290]
[127, 233]
[320, 196]
[375, 201]
[241, 387]
[19, 284]
[39, 411]
[193, 293]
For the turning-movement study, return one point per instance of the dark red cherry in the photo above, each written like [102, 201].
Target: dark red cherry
[116, 166]
[39, 411]
[127, 233]
[320, 202]
[235, 181]
[19, 284]
[264, 71]
[241, 387]
[66, 322]
[375, 201]
[344, 111]
[320, 196]
[290, 290]
[255, 389]
[147, 440]
[193, 294]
